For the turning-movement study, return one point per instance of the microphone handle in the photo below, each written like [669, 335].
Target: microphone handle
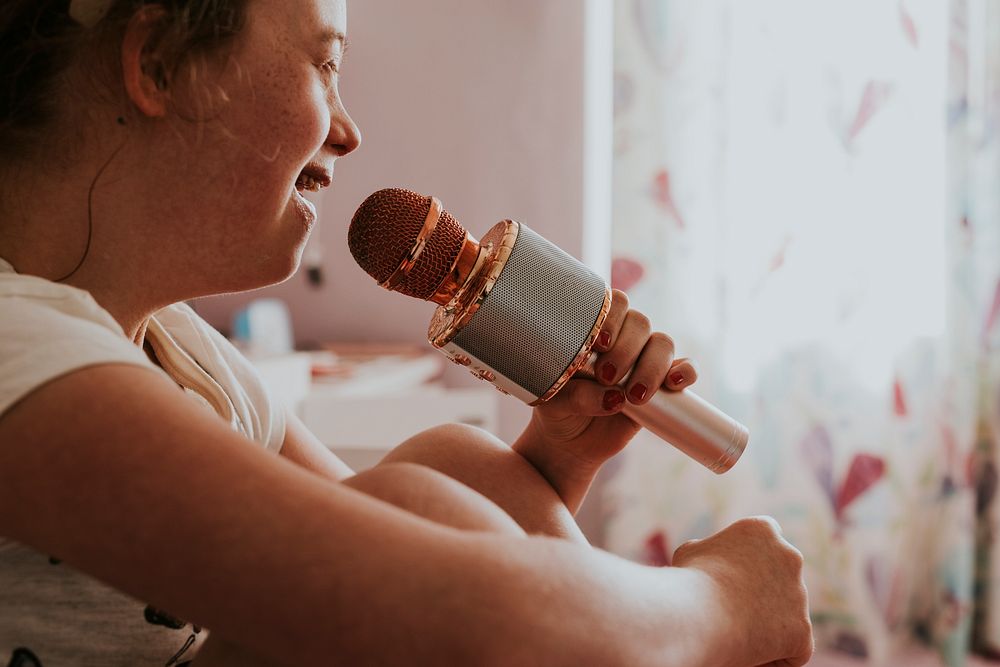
[691, 424]
[694, 426]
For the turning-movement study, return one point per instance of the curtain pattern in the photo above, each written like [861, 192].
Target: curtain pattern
[807, 197]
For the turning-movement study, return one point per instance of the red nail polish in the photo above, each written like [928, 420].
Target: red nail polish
[638, 392]
[677, 378]
[604, 340]
[608, 372]
[613, 399]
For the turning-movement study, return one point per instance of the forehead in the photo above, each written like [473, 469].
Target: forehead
[301, 20]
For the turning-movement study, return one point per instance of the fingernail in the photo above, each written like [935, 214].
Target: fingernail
[608, 372]
[638, 392]
[604, 340]
[677, 378]
[613, 399]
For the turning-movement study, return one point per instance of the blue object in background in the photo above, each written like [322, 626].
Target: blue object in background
[264, 328]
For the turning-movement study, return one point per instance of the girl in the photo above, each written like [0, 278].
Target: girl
[154, 151]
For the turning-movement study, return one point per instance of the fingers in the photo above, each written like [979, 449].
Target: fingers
[582, 397]
[628, 348]
[612, 322]
[773, 599]
[624, 337]
[682, 374]
[760, 529]
[651, 368]
[764, 519]
[684, 552]
[633, 338]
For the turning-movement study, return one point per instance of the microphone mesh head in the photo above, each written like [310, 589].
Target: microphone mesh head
[385, 229]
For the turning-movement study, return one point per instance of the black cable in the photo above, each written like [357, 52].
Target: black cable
[90, 212]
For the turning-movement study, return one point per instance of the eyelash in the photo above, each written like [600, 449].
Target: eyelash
[331, 65]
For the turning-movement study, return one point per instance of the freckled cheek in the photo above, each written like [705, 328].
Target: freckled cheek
[281, 129]
[286, 142]
[310, 123]
[296, 132]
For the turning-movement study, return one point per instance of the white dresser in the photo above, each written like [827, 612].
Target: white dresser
[364, 414]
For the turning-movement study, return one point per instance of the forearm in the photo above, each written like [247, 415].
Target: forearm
[558, 604]
[569, 476]
[474, 598]
[535, 602]
[517, 601]
[377, 586]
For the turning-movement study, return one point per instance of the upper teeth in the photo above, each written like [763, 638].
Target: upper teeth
[307, 182]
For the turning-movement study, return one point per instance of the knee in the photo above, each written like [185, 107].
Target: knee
[441, 447]
[434, 496]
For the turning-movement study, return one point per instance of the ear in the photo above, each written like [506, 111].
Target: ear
[143, 68]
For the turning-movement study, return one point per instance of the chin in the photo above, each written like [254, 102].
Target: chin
[280, 268]
[271, 252]
[258, 271]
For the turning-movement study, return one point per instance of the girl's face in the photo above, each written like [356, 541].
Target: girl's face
[234, 190]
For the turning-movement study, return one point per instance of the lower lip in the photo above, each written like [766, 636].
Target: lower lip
[305, 208]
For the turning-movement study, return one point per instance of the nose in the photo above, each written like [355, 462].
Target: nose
[344, 137]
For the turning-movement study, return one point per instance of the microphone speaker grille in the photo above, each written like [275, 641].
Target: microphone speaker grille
[384, 231]
[434, 262]
[539, 315]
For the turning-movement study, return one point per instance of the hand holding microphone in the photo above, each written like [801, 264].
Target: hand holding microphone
[518, 312]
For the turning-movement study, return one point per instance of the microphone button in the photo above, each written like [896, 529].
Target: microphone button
[462, 360]
[485, 375]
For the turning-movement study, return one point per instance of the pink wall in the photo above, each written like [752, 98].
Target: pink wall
[479, 103]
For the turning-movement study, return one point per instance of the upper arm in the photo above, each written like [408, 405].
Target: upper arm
[113, 470]
[305, 449]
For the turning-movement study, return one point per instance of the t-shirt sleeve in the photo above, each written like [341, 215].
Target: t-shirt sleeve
[262, 413]
[42, 339]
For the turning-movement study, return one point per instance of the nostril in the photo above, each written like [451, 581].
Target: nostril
[347, 140]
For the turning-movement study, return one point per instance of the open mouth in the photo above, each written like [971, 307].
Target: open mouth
[307, 183]
[313, 178]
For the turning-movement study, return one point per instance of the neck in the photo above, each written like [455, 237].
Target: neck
[78, 225]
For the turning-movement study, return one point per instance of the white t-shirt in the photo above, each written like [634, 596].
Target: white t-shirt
[50, 614]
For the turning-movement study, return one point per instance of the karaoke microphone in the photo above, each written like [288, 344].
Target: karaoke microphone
[518, 311]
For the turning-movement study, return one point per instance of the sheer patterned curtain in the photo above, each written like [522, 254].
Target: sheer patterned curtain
[807, 196]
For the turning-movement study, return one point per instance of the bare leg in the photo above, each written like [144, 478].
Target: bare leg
[435, 496]
[487, 464]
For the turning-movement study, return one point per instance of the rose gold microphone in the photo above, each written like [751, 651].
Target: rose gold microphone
[518, 312]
